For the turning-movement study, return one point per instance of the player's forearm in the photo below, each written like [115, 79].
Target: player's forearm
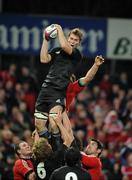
[67, 124]
[67, 139]
[44, 57]
[63, 41]
[90, 74]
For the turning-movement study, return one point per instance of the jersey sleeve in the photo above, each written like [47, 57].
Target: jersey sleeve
[53, 51]
[74, 88]
[89, 161]
[23, 168]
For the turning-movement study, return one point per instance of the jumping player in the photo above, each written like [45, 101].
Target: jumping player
[64, 59]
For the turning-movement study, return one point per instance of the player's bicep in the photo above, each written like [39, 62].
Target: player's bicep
[49, 58]
[45, 59]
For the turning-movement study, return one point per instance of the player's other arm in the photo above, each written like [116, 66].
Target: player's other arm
[99, 60]
[67, 138]
[63, 41]
[45, 57]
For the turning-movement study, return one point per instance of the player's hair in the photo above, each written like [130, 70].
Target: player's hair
[72, 156]
[99, 145]
[41, 149]
[77, 32]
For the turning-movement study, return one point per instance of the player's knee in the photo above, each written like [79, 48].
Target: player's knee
[39, 124]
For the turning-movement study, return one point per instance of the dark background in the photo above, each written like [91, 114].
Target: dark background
[92, 8]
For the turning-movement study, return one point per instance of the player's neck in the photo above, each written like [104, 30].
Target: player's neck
[25, 157]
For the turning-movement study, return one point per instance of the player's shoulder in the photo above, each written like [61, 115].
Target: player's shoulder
[56, 49]
[60, 169]
[18, 161]
[76, 51]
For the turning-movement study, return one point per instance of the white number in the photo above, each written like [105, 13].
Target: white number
[71, 176]
[41, 170]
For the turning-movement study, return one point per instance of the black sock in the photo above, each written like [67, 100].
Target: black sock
[45, 134]
[56, 141]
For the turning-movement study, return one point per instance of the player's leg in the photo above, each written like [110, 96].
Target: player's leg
[40, 124]
[41, 114]
[56, 137]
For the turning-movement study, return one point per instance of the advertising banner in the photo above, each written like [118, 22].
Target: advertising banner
[119, 39]
[22, 34]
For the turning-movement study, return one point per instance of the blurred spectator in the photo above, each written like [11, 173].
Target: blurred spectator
[19, 123]
[7, 136]
[105, 84]
[123, 81]
[112, 126]
[28, 77]
[9, 75]
[106, 163]
[127, 169]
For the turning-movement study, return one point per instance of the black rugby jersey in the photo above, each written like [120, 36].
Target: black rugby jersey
[63, 65]
[45, 168]
[69, 173]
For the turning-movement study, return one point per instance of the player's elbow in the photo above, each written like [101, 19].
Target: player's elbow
[67, 48]
[44, 59]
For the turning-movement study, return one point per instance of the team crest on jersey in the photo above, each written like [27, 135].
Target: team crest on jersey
[57, 52]
[58, 101]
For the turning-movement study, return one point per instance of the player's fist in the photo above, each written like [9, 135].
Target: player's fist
[99, 60]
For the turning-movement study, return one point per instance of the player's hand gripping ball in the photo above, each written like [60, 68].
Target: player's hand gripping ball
[50, 32]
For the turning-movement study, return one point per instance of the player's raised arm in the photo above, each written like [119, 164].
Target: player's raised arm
[99, 60]
[67, 138]
[63, 41]
[45, 57]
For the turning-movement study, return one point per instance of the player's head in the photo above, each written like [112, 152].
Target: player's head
[41, 149]
[72, 156]
[23, 149]
[94, 147]
[75, 37]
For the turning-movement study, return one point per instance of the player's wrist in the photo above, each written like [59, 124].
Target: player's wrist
[96, 64]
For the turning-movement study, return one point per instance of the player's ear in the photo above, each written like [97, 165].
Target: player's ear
[18, 151]
[99, 151]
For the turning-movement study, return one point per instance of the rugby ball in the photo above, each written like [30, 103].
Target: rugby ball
[50, 32]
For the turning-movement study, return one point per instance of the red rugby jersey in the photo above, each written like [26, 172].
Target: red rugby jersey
[22, 168]
[72, 91]
[93, 165]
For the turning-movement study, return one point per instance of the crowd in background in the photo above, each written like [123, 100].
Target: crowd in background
[103, 111]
